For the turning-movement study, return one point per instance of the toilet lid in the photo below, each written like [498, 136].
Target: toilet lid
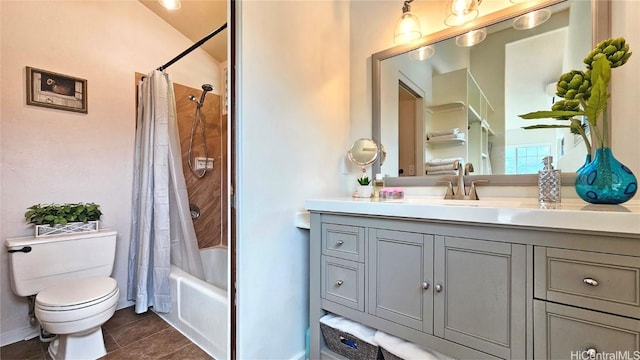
[79, 292]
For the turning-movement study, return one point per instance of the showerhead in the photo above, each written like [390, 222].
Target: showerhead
[205, 88]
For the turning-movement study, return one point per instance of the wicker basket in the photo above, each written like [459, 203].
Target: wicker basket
[348, 345]
[67, 229]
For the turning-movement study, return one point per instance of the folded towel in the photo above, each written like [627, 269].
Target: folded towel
[358, 330]
[405, 349]
[431, 168]
[442, 172]
[434, 162]
[444, 132]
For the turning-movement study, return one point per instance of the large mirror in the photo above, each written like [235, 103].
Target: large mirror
[463, 101]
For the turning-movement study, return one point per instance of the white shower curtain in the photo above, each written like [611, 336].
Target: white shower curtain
[161, 227]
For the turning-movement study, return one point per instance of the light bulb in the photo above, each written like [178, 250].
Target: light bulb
[422, 53]
[407, 29]
[471, 38]
[532, 19]
[170, 4]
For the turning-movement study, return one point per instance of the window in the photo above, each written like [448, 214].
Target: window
[525, 159]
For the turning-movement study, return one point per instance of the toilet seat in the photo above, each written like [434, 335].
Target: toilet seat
[77, 300]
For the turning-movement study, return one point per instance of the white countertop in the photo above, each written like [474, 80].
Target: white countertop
[570, 214]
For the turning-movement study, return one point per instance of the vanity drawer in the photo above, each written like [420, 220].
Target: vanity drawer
[343, 241]
[564, 332]
[592, 280]
[342, 281]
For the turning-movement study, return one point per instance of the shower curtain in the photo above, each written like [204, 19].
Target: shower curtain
[161, 227]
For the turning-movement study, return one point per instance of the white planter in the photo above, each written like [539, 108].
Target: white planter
[364, 191]
[69, 228]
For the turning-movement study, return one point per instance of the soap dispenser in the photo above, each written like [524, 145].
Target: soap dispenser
[378, 184]
[548, 182]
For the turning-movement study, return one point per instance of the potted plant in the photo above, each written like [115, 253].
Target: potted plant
[57, 219]
[364, 190]
[602, 179]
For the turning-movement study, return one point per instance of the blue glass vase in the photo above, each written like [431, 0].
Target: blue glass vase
[587, 161]
[605, 180]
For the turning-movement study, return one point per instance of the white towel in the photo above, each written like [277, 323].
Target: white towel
[431, 168]
[358, 330]
[444, 132]
[442, 172]
[434, 162]
[405, 349]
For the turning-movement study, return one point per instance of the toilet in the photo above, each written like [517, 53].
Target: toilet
[74, 295]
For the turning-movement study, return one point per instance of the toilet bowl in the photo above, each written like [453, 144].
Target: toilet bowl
[76, 311]
[66, 278]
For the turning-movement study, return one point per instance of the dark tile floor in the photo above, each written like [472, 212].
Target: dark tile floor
[127, 335]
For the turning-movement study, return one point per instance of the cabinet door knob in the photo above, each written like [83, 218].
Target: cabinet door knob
[425, 285]
[438, 287]
[339, 282]
[592, 282]
[339, 242]
[591, 353]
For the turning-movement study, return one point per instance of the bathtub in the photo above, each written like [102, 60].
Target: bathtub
[200, 309]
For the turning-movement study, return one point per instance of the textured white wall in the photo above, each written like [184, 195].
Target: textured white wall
[293, 127]
[58, 156]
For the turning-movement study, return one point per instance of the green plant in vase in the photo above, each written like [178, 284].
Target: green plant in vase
[364, 180]
[364, 190]
[61, 214]
[604, 180]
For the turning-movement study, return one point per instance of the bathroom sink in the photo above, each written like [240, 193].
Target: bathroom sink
[493, 203]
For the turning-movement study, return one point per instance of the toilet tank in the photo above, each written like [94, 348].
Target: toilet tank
[36, 263]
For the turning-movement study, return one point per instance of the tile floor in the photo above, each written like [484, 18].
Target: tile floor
[127, 335]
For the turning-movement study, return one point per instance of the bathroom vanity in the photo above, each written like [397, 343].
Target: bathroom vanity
[484, 279]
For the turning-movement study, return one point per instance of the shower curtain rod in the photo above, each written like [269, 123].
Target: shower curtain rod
[193, 47]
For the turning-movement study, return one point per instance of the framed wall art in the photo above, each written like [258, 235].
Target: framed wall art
[56, 91]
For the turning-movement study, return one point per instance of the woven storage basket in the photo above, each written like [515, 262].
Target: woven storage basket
[348, 345]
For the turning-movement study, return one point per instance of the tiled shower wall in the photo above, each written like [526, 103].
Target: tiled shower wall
[209, 192]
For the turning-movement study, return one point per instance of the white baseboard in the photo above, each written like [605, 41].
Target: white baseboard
[16, 335]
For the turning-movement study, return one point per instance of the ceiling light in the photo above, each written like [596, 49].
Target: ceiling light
[422, 53]
[462, 12]
[471, 38]
[408, 27]
[170, 4]
[532, 19]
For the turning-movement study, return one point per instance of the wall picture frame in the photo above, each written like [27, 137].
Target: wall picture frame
[56, 91]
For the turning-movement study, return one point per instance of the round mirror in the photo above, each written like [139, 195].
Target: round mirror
[363, 152]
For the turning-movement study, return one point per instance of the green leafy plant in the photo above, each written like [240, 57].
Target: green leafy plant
[586, 93]
[364, 180]
[62, 214]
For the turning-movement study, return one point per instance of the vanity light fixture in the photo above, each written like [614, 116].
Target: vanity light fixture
[408, 27]
[532, 19]
[461, 12]
[423, 53]
[170, 4]
[471, 38]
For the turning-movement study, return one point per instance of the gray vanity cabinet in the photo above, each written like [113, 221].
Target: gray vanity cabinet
[479, 295]
[586, 304]
[400, 274]
[477, 292]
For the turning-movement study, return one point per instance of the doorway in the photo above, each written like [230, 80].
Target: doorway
[410, 131]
